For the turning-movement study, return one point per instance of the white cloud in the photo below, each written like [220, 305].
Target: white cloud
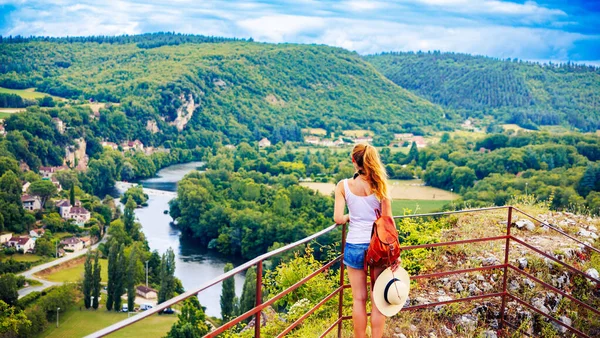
[282, 28]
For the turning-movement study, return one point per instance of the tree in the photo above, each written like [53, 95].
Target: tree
[462, 177]
[44, 246]
[44, 189]
[10, 202]
[413, 153]
[130, 282]
[228, 296]
[96, 279]
[113, 257]
[12, 320]
[9, 290]
[88, 276]
[121, 271]
[191, 321]
[248, 299]
[72, 195]
[129, 217]
[167, 271]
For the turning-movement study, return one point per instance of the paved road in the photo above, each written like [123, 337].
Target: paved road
[29, 274]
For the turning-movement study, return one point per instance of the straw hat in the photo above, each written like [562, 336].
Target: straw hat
[391, 290]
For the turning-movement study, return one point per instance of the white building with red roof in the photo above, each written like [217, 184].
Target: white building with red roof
[77, 213]
[31, 202]
[25, 244]
[36, 233]
[72, 244]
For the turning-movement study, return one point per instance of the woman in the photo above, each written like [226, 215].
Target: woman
[367, 191]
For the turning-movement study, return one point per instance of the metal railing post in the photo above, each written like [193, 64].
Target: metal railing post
[259, 270]
[505, 277]
[341, 300]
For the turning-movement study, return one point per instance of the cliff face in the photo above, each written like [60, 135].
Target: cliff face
[185, 112]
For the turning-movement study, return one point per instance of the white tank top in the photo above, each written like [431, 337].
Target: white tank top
[362, 215]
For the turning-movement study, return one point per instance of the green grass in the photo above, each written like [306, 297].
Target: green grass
[4, 115]
[29, 94]
[417, 206]
[75, 273]
[26, 257]
[75, 323]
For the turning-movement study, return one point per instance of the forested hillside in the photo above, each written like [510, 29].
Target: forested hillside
[241, 90]
[513, 91]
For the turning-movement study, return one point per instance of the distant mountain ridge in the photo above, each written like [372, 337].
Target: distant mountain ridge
[512, 91]
[242, 90]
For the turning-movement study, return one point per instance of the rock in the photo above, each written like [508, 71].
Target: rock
[494, 324]
[445, 281]
[447, 331]
[490, 261]
[458, 287]
[432, 335]
[552, 301]
[522, 263]
[468, 321]
[487, 287]
[593, 273]
[592, 228]
[422, 300]
[412, 327]
[561, 328]
[584, 233]
[473, 289]
[490, 334]
[525, 224]
[397, 330]
[444, 298]
[480, 278]
[399, 335]
[528, 283]
[513, 286]
[539, 304]
[561, 281]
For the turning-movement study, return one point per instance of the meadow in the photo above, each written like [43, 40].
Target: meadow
[72, 272]
[28, 93]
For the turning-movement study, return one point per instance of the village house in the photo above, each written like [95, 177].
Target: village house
[5, 237]
[468, 125]
[2, 130]
[146, 292]
[87, 241]
[367, 139]
[48, 172]
[111, 145]
[136, 145]
[420, 141]
[36, 233]
[60, 125]
[31, 203]
[403, 137]
[327, 143]
[77, 212]
[25, 187]
[230, 147]
[312, 140]
[56, 183]
[264, 143]
[73, 244]
[25, 244]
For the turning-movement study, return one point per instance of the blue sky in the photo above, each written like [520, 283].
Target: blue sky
[544, 30]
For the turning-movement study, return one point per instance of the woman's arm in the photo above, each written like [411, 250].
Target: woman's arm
[340, 203]
[386, 207]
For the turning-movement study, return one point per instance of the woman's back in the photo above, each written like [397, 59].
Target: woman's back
[361, 208]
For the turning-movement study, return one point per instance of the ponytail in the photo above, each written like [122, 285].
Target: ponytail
[369, 163]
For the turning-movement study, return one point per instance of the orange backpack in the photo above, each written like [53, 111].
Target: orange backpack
[384, 248]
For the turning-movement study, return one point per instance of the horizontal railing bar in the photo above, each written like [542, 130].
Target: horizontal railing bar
[459, 242]
[216, 280]
[331, 327]
[526, 304]
[254, 310]
[465, 299]
[554, 259]
[560, 231]
[517, 329]
[450, 212]
[564, 294]
[456, 272]
[310, 312]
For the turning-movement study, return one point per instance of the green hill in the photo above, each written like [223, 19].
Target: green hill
[512, 91]
[241, 90]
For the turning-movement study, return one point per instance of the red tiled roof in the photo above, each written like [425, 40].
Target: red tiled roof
[20, 240]
[26, 198]
[145, 289]
[70, 241]
[63, 203]
[79, 211]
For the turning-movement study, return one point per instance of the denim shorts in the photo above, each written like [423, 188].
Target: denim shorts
[354, 255]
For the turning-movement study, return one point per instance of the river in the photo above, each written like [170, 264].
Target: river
[193, 265]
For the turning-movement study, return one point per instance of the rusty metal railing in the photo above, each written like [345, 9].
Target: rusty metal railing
[505, 295]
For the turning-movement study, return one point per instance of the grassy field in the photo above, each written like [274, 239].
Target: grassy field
[315, 131]
[4, 115]
[357, 133]
[73, 273]
[76, 323]
[417, 206]
[26, 257]
[29, 93]
[11, 110]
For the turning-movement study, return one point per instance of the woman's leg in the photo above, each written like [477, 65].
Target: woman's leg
[358, 283]
[377, 318]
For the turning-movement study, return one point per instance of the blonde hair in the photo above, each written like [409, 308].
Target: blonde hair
[369, 164]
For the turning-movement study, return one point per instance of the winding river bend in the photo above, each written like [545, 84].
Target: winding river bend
[193, 265]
